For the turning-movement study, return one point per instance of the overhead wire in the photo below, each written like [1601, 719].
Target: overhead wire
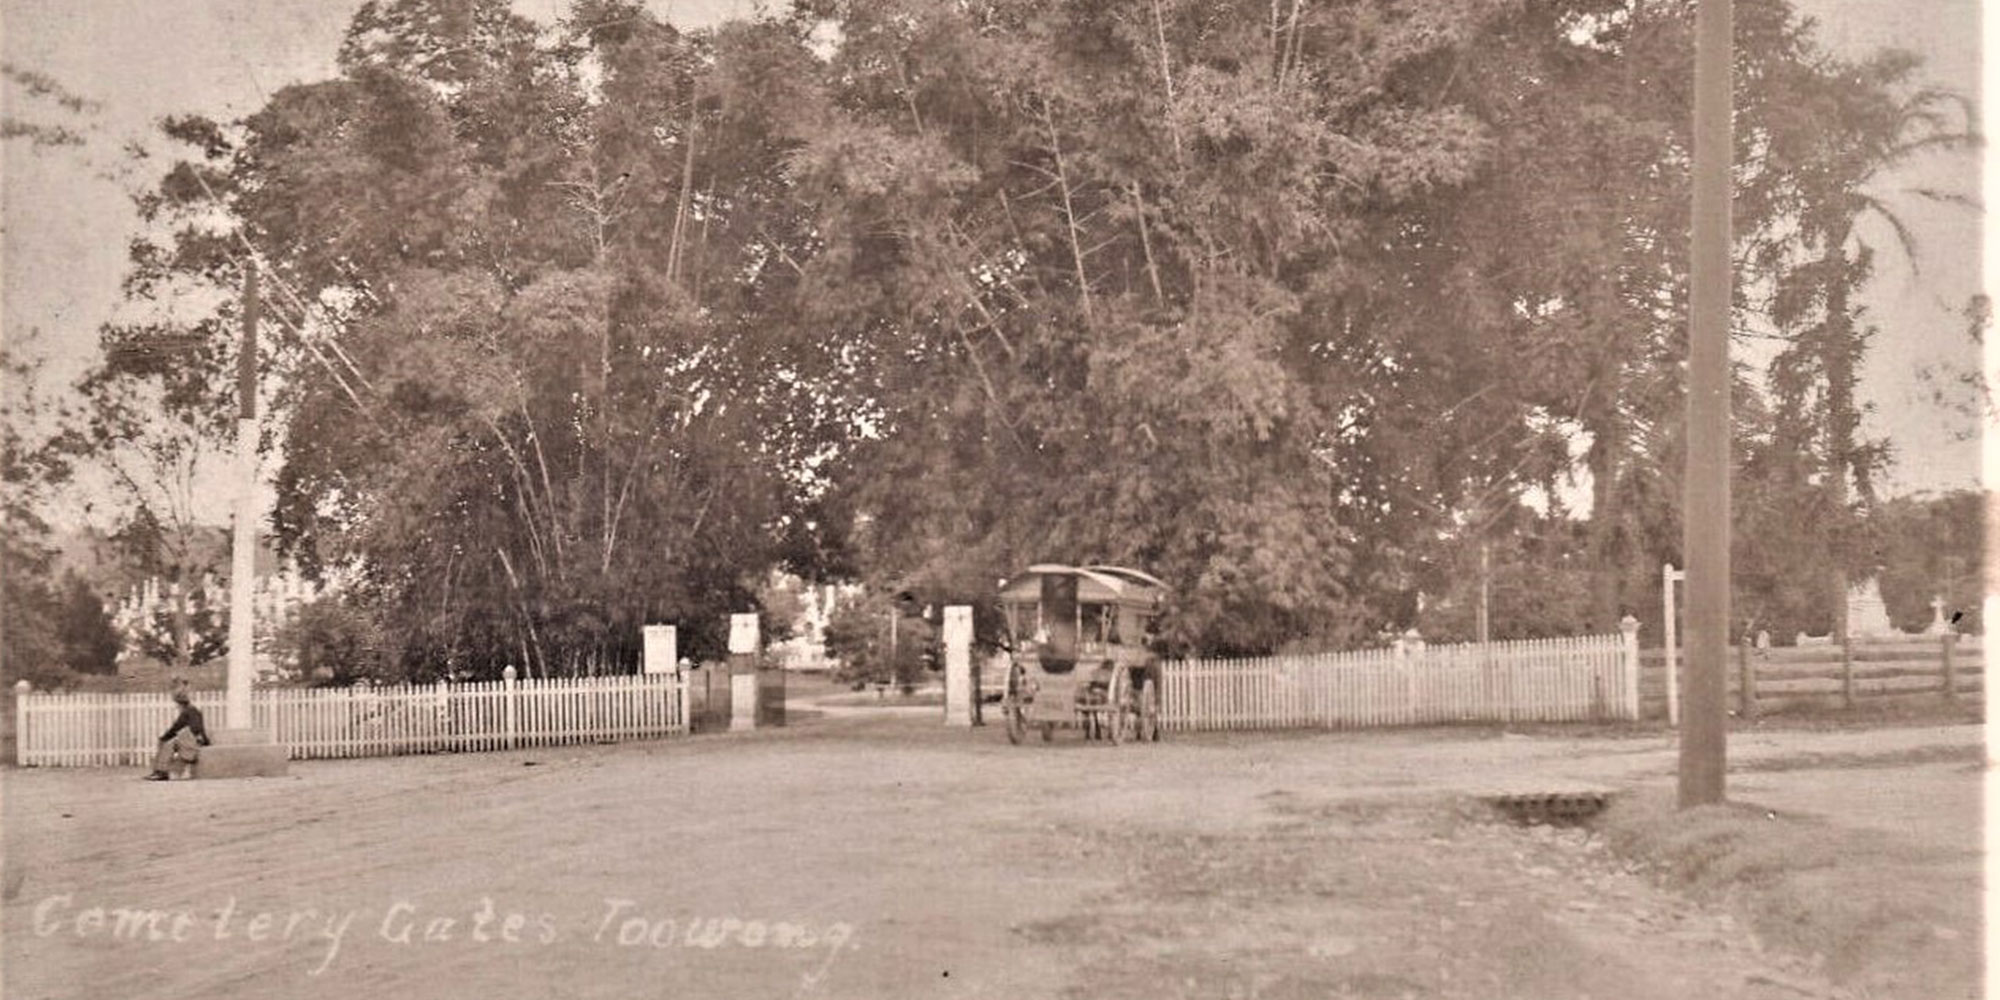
[305, 313]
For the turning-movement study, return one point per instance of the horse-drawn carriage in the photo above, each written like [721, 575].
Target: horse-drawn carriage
[1082, 652]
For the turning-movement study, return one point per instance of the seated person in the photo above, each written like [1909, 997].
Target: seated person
[180, 744]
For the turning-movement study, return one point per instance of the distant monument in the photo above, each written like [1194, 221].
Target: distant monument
[1938, 625]
[1867, 616]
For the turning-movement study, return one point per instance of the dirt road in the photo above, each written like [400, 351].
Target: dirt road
[882, 856]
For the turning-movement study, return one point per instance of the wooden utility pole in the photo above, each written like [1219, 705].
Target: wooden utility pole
[1705, 514]
[243, 547]
[240, 750]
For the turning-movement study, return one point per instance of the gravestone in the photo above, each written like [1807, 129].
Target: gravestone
[1938, 625]
[1867, 616]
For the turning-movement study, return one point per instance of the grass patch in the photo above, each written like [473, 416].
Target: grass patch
[1849, 761]
[1883, 712]
[1874, 914]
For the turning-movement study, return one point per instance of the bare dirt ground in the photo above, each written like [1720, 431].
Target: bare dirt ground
[881, 855]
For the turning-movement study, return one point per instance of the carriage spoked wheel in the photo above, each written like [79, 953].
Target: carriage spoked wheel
[1149, 709]
[1017, 723]
[1118, 712]
[1090, 712]
[1016, 712]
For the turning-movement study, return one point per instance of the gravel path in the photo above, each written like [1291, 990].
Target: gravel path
[879, 855]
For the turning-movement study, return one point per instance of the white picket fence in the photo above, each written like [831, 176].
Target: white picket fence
[68, 730]
[1547, 680]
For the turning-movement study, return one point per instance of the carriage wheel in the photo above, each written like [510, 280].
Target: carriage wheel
[1118, 707]
[1149, 710]
[1016, 712]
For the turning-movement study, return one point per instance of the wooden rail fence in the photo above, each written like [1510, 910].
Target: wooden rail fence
[1817, 677]
[1549, 680]
[122, 729]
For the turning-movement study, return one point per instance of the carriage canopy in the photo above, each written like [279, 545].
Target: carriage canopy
[1095, 585]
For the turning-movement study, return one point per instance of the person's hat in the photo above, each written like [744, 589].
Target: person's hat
[181, 696]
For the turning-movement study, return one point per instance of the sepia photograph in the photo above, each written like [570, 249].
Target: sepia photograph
[1026, 499]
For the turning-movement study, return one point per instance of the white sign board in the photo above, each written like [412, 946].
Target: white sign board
[743, 633]
[660, 645]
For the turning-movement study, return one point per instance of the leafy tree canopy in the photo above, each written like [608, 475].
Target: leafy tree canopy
[577, 329]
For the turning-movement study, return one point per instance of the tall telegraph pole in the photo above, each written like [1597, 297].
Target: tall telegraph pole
[1705, 514]
[243, 550]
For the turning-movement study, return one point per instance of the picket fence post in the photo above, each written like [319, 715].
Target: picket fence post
[507, 685]
[1409, 649]
[21, 689]
[681, 722]
[440, 717]
[1630, 661]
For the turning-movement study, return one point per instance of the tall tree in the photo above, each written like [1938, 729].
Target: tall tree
[47, 118]
[159, 453]
[1843, 125]
[1288, 304]
[526, 401]
[90, 644]
[30, 646]
[1075, 244]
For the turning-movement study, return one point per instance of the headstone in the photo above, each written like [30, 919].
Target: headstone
[1938, 625]
[1411, 642]
[1867, 616]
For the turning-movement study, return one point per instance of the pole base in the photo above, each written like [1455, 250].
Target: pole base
[241, 753]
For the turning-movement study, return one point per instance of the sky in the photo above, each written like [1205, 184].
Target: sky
[1916, 299]
[65, 215]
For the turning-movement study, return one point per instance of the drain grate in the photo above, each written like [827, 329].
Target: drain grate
[1553, 808]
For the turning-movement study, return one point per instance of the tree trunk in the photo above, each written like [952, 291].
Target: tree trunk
[1841, 425]
[1606, 513]
[183, 631]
